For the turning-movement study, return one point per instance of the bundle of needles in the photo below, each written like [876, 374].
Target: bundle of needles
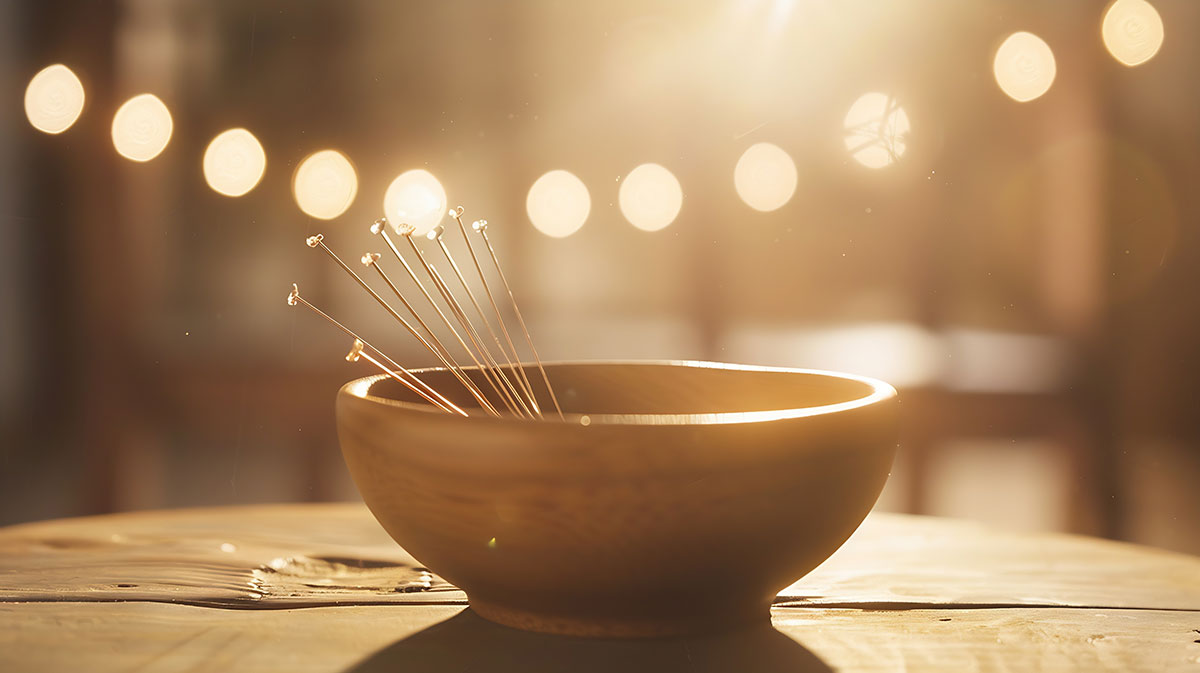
[499, 385]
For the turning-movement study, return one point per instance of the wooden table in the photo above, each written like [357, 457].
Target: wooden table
[322, 588]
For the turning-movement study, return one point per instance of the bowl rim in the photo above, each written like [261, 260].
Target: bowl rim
[879, 392]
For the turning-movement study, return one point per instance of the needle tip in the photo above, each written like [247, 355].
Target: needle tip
[355, 351]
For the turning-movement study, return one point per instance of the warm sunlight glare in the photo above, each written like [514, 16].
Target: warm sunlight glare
[1024, 67]
[234, 162]
[417, 199]
[142, 128]
[1132, 31]
[325, 184]
[650, 197]
[765, 177]
[54, 99]
[558, 204]
[876, 130]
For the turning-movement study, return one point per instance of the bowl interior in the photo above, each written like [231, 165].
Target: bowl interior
[643, 391]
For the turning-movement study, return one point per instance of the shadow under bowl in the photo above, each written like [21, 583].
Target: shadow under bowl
[674, 497]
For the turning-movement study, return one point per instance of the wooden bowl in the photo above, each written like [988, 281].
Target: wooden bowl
[687, 497]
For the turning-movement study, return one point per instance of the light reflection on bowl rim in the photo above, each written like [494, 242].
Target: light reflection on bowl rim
[880, 391]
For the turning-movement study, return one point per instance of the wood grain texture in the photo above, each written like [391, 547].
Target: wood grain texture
[253, 557]
[898, 560]
[904, 594]
[893, 559]
[447, 639]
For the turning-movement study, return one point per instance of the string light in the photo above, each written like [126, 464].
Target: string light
[142, 128]
[558, 204]
[234, 162]
[650, 197]
[1024, 67]
[765, 177]
[1132, 31]
[54, 99]
[325, 184]
[876, 130]
[417, 199]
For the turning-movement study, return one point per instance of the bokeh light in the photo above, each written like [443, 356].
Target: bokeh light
[325, 184]
[54, 99]
[558, 203]
[876, 130]
[234, 162]
[142, 128]
[1132, 31]
[1024, 67]
[765, 177]
[650, 197]
[417, 199]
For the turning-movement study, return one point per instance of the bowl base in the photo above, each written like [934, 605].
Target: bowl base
[592, 626]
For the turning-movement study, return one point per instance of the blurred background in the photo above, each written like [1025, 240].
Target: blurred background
[989, 203]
